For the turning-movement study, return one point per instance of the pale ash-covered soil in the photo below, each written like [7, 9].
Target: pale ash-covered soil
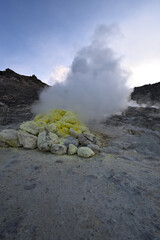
[114, 195]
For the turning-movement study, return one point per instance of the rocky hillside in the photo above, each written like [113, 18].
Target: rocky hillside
[17, 93]
[19, 89]
[148, 94]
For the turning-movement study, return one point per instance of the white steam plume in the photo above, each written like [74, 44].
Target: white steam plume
[95, 85]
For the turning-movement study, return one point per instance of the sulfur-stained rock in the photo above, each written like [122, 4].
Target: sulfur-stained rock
[27, 140]
[72, 149]
[85, 152]
[40, 123]
[58, 149]
[30, 127]
[64, 121]
[84, 129]
[51, 127]
[46, 139]
[42, 129]
[9, 137]
[73, 133]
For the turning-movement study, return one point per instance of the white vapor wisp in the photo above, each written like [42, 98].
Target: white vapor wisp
[95, 86]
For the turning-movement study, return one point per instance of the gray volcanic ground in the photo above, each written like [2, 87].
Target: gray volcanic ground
[114, 195]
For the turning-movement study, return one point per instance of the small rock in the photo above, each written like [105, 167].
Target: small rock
[9, 137]
[30, 186]
[82, 140]
[58, 149]
[84, 129]
[86, 139]
[69, 140]
[72, 149]
[59, 161]
[90, 137]
[94, 147]
[46, 139]
[27, 140]
[133, 132]
[85, 152]
[51, 127]
[30, 127]
[73, 133]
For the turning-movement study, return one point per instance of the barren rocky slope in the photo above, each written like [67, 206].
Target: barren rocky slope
[17, 93]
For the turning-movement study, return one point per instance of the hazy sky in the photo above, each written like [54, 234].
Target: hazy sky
[41, 37]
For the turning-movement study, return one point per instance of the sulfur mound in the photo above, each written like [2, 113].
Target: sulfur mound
[64, 121]
[59, 132]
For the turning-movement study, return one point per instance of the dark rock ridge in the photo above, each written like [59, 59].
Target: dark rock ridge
[148, 94]
[17, 93]
[19, 89]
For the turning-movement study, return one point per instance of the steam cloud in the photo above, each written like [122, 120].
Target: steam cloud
[95, 85]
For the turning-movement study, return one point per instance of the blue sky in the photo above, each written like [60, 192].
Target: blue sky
[41, 36]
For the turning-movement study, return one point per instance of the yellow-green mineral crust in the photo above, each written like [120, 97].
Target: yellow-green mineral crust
[64, 121]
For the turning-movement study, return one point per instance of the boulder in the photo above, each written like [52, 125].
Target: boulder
[9, 137]
[30, 127]
[58, 149]
[27, 140]
[72, 149]
[46, 139]
[85, 152]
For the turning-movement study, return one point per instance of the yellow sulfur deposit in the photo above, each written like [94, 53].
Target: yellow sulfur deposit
[64, 120]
